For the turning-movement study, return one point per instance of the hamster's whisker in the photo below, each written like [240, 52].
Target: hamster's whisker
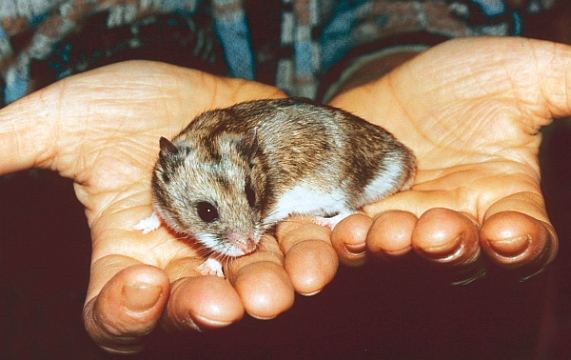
[275, 222]
[217, 250]
[270, 223]
[214, 251]
[181, 237]
[226, 260]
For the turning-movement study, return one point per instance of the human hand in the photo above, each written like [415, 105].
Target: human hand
[471, 110]
[102, 130]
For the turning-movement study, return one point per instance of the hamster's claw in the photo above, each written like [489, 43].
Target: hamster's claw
[149, 224]
[330, 222]
[211, 267]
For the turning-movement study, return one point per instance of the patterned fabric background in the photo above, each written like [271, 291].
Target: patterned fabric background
[289, 43]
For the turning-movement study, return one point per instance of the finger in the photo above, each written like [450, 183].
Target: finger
[391, 234]
[553, 63]
[261, 280]
[349, 239]
[517, 233]
[128, 306]
[199, 302]
[310, 260]
[446, 236]
[441, 234]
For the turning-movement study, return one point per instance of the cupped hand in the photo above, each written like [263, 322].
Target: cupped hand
[471, 109]
[102, 129]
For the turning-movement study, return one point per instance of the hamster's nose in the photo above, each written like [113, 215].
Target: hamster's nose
[249, 245]
[244, 242]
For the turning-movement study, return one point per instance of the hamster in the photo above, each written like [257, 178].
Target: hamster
[233, 173]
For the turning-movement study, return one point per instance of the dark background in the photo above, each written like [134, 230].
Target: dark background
[398, 310]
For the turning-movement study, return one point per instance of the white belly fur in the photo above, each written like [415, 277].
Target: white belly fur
[305, 199]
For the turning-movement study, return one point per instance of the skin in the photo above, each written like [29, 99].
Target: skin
[101, 129]
[471, 109]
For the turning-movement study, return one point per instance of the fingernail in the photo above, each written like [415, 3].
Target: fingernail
[512, 246]
[310, 293]
[140, 297]
[443, 249]
[356, 248]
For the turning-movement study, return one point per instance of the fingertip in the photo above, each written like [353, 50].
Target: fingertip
[133, 291]
[446, 236]
[265, 289]
[127, 308]
[310, 259]
[349, 239]
[290, 233]
[144, 274]
[311, 265]
[391, 233]
[203, 302]
[514, 239]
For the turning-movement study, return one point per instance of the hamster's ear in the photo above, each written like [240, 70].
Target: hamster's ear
[167, 147]
[249, 142]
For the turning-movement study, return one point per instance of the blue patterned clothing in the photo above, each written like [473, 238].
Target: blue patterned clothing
[292, 44]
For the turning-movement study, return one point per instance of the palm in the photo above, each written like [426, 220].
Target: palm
[117, 120]
[118, 147]
[102, 129]
[472, 119]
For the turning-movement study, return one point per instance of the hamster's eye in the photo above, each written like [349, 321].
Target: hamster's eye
[207, 211]
[250, 195]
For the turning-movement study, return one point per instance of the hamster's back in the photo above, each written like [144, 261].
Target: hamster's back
[300, 140]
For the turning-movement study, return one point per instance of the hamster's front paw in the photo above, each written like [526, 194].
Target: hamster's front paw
[330, 222]
[211, 267]
[151, 223]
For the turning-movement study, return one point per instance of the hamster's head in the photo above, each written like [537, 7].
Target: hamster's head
[206, 190]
